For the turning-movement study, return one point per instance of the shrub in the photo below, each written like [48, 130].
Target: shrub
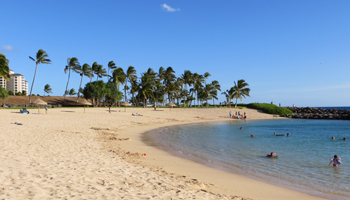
[270, 108]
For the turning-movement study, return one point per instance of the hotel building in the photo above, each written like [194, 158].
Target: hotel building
[17, 83]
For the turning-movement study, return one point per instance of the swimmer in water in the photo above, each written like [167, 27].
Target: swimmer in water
[241, 128]
[335, 161]
[333, 138]
[252, 136]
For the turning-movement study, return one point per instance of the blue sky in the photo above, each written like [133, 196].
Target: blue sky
[289, 52]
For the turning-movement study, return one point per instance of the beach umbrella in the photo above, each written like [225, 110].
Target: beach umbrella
[38, 102]
[85, 103]
[170, 105]
[125, 103]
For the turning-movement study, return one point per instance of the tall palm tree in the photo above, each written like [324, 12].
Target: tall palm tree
[187, 80]
[94, 67]
[198, 81]
[240, 90]
[216, 87]
[100, 71]
[84, 70]
[118, 76]
[4, 67]
[208, 92]
[206, 76]
[111, 65]
[130, 76]
[71, 63]
[41, 58]
[169, 78]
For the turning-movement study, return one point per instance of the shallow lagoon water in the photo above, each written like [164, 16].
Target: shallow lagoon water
[303, 157]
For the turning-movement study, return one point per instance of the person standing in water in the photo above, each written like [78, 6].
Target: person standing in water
[336, 161]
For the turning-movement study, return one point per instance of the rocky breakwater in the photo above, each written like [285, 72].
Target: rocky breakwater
[318, 113]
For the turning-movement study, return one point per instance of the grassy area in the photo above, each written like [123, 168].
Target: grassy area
[270, 108]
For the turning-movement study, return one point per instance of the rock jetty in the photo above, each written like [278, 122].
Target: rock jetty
[318, 113]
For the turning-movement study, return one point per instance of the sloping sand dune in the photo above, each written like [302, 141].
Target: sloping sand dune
[69, 154]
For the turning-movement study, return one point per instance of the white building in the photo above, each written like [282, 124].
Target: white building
[17, 83]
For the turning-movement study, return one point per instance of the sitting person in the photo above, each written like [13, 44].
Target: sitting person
[136, 114]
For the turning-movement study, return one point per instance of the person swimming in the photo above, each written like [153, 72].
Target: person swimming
[344, 138]
[272, 154]
[252, 136]
[241, 128]
[333, 138]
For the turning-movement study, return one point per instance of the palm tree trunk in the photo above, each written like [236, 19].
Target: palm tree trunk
[82, 76]
[30, 96]
[64, 101]
[125, 91]
[207, 103]
[236, 102]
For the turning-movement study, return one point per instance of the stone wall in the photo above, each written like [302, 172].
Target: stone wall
[318, 113]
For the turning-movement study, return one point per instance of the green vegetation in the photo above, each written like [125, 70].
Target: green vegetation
[41, 58]
[270, 108]
[3, 93]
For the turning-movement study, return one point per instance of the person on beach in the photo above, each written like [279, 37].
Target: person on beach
[109, 109]
[236, 112]
[336, 161]
[230, 114]
[46, 109]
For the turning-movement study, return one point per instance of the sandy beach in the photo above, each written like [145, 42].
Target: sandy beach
[70, 154]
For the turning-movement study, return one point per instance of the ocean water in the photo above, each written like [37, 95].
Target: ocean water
[303, 157]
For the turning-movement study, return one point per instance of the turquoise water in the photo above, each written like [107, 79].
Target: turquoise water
[303, 157]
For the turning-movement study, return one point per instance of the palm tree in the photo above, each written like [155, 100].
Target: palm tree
[240, 90]
[100, 71]
[47, 89]
[187, 80]
[41, 58]
[71, 63]
[206, 76]
[216, 87]
[111, 65]
[93, 69]
[72, 92]
[131, 76]
[169, 78]
[84, 70]
[146, 86]
[118, 76]
[4, 67]
[198, 81]
[228, 95]
[208, 92]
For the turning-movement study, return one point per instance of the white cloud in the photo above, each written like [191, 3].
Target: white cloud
[7, 48]
[168, 8]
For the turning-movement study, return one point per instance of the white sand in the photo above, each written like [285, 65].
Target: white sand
[71, 154]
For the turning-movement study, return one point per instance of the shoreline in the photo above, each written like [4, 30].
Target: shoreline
[222, 183]
[71, 154]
